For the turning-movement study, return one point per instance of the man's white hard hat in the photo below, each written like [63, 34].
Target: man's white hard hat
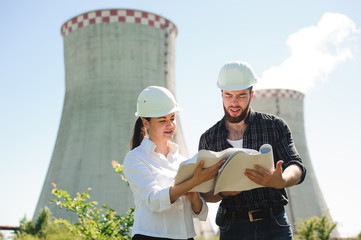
[236, 75]
[155, 101]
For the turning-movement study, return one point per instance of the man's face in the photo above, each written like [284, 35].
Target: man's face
[236, 104]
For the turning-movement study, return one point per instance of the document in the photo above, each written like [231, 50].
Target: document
[230, 176]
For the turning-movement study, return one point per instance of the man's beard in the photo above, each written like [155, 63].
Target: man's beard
[239, 118]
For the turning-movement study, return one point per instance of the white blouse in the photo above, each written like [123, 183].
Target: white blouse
[150, 176]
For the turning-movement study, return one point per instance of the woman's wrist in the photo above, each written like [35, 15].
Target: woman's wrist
[197, 205]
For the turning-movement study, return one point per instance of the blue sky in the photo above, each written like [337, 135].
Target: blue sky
[311, 46]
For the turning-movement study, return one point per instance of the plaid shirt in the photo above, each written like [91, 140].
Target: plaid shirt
[261, 128]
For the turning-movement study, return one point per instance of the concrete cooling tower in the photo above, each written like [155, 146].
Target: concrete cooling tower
[110, 56]
[306, 199]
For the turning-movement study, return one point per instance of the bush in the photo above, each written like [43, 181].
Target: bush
[314, 228]
[43, 228]
[94, 223]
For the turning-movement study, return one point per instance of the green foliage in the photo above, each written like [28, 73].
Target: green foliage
[119, 169]
[314, 228]
[43, 228]
[94, 223]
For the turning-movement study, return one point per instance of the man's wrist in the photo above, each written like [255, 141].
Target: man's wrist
[222, 195]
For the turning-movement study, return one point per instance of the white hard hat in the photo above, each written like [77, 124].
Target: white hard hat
[236, 76]
[156, 101]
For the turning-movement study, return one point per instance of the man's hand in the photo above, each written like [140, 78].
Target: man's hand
[265, 178]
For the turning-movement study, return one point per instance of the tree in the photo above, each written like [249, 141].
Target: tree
[35, 229]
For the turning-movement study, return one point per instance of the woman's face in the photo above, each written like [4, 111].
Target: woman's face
[161, 128]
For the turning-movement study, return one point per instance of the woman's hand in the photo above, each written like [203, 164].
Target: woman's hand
[200, 175]
[203, 175]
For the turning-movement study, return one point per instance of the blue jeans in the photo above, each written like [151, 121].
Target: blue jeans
[275, 228]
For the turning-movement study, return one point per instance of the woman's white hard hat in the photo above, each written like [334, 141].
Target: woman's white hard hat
[155, 101]
[236, 75]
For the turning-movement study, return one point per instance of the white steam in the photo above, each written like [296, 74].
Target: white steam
[315, 52]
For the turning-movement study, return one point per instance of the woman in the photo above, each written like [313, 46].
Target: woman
[162, 210]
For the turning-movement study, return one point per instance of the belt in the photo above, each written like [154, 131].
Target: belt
[254, 215]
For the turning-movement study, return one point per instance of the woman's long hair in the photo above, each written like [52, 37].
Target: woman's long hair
[138, 133]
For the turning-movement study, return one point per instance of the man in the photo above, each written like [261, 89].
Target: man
[257, 213]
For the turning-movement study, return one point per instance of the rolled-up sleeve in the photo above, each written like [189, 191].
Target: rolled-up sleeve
[144, 185]
[287, 150]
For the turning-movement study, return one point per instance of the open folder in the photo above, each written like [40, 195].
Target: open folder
[231, 175]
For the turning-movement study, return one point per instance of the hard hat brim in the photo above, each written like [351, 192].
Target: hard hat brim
[175, 109]
[234, 87]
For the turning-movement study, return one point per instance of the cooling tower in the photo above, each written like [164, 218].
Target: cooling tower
[109, 56]
[306, 199]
